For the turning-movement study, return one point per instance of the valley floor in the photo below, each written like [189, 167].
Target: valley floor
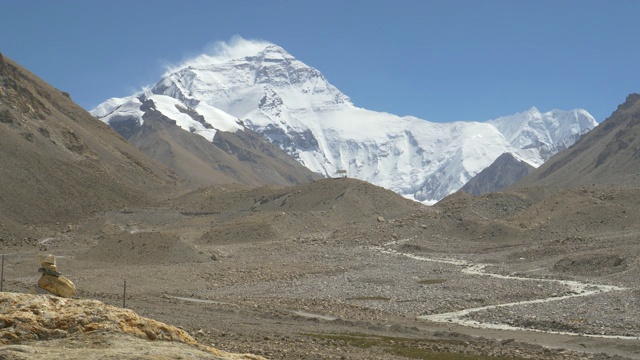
[362, 291]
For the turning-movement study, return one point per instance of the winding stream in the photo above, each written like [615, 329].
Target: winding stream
[578, 289]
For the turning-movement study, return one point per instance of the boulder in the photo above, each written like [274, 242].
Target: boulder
[57, 285]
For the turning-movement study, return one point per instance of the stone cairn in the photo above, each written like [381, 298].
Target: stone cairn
[52, 282]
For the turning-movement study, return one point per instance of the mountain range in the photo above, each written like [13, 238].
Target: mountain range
[293, 106]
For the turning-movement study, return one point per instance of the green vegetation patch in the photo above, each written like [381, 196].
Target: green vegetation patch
[409, 347]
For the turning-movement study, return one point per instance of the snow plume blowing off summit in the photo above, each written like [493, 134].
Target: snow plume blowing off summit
[294, 106]
[220, 52]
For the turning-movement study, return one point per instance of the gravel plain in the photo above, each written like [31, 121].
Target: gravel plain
[329, 285]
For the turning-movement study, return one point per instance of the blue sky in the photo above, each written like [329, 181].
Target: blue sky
[437, 60]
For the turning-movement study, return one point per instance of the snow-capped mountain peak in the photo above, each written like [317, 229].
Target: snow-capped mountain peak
[533, 111]
[540, 135]
[295, 107]
[252, 79]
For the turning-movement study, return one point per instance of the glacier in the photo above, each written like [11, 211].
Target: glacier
[267, 90]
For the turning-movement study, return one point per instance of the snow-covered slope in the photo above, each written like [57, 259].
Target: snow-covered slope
[541, 135]
[295, 107]
[203, 119]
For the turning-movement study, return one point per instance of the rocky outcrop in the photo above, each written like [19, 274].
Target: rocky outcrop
[25, 318]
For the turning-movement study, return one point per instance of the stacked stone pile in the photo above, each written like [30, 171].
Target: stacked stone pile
[51, 281]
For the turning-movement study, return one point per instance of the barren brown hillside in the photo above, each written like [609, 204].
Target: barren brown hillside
[58, 163]
[269, 213]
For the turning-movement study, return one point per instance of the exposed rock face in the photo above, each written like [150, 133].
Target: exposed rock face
[25, 318]
[32, 317]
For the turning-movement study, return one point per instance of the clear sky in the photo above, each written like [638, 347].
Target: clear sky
[437, 60]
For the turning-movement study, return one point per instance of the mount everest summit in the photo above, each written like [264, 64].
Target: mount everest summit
[264, 89]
